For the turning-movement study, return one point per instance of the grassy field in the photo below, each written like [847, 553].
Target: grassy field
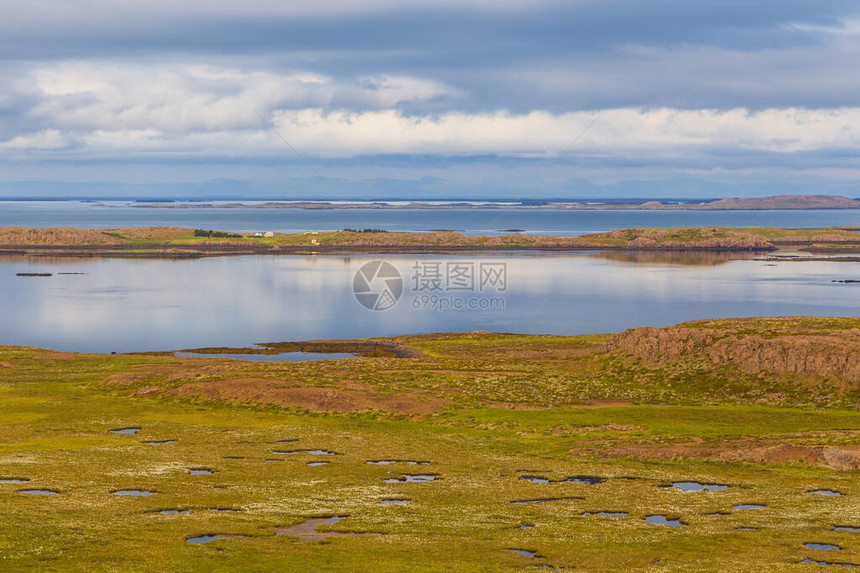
[165, 241]
[479, 411]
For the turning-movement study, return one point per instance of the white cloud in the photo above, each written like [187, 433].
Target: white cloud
[187, 98]
[212, 110]
[49, 139]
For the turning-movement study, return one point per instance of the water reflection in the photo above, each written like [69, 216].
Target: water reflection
[128, 305]
[686, 258]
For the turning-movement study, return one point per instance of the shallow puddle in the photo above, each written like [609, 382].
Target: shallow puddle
[534, 479]
[173, 512]
[662, 520]
[161, 442]
[317, 464]
[849, 528]
[717, 514]
[822, 546]
[134, 492]
[205, 538]
[389, 462]
[413, 478]
[584, 480]
[200, 472]
[394, 501]
[746, 528]
[311, 452]
[544, 500]
[827, 492]
[745, 506]
[125, 431]
[38, 491]
[830, 563]
[211, 537]
[16, 481]
[606, 513]
[525, 553]
[695, 486]
[308, 530]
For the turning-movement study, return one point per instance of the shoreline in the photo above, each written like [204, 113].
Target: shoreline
[177, 242]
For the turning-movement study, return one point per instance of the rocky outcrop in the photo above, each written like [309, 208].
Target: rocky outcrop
[827, 353]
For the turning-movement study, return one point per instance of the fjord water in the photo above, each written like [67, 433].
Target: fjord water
[122, 305]
[475, 221]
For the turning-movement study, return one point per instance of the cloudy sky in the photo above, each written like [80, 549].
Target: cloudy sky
[430, 98]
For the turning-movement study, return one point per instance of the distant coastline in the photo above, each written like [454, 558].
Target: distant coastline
[727, 204]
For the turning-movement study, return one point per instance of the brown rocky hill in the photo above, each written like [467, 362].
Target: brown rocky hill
[827, 347]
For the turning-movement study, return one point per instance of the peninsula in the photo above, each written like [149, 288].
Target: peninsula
[181, 242]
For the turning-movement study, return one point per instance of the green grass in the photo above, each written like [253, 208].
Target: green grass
[57, 410]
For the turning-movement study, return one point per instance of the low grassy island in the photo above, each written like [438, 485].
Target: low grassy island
[721, 445]
[176, 241]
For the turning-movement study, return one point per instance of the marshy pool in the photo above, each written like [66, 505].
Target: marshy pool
[583, 480]
[822, 546]
[309, 452]
[128, 431]
[413, 478]
[390, 462]
[525, 553]
[205, 538]
[663, 520]
[695, 486]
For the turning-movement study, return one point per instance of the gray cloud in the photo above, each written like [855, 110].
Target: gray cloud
[763, 90]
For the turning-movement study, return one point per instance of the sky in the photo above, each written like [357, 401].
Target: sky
[432, 99]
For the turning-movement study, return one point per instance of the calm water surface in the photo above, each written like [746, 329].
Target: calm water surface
[469, 221]
[125, 305]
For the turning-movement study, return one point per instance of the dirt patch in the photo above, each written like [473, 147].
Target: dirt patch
[322, 399]
[6, 365]
[309, 530]
[843, 458]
